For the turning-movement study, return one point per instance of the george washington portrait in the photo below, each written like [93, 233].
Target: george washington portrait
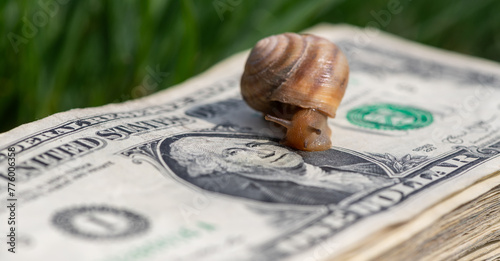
[261, 169]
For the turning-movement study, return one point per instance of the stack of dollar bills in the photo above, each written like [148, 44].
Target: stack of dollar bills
[193, 173]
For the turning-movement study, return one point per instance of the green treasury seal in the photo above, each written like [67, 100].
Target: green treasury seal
[389, 117]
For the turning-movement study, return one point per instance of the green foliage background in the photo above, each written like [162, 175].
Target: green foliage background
[93, 52]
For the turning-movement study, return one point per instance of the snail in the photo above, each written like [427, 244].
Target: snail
[296, 81]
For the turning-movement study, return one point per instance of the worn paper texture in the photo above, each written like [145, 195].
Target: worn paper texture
[192, 173]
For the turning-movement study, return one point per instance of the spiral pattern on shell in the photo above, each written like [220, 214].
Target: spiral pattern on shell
[300, 70]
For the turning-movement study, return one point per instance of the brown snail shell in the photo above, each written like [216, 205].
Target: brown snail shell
[297, 81]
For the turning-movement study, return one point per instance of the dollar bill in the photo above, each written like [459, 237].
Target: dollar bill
[193, 173]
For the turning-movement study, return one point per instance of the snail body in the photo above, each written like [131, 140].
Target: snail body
[297, 81]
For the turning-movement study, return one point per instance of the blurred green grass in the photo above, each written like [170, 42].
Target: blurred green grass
[94, 52]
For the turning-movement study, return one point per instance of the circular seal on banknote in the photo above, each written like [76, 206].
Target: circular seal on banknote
[100, 222]
[389, 117]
